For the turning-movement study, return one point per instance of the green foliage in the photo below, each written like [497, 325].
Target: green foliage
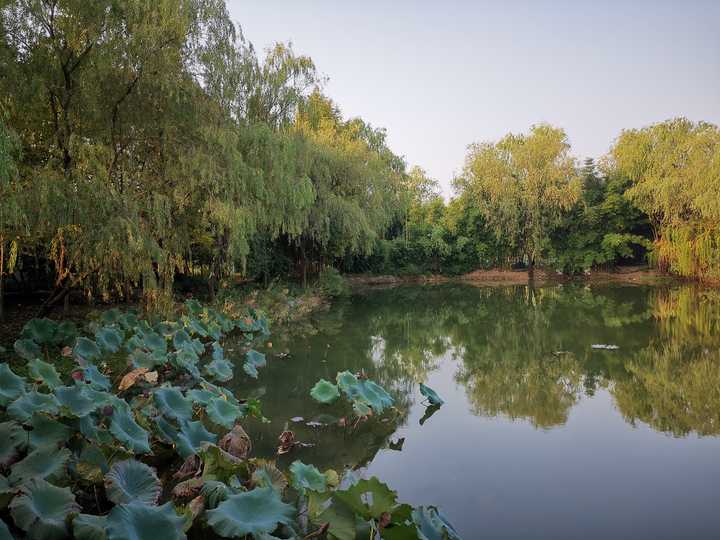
[307, 477]
[324, 391]
[255, 512]
[41, 510]
[137, 520]
[132, 481]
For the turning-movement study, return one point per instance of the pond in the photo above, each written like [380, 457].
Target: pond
[541, 435]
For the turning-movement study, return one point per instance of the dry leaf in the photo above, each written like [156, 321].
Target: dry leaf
[188, 488]
[236, 442]
[131, 378]
[196, 506]
[67, 351]
[287, 441]
[151, 377]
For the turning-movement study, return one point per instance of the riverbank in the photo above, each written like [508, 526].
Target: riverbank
[499, 276]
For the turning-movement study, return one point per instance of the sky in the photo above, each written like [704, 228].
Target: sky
[439, 75]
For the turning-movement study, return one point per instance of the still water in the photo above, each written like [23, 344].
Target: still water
[541, 436]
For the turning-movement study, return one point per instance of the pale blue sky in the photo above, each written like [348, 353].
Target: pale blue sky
[439, 75]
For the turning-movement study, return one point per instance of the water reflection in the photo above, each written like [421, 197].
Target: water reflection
[520, 353]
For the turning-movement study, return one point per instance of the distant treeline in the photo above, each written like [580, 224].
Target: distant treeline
[143, 141]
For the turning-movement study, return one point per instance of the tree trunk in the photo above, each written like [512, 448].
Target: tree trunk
[2, 276]
[303, 258]
[531, 270]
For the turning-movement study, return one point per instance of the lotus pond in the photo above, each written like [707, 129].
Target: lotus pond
[541, 435]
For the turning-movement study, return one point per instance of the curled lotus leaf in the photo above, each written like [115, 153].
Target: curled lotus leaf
[266, 474]
[131, 480]
[324, 391]
[222, 412]
[128, 432]
[109, 339]
[47, 432]
[254, 512]
[307, 477]
[135, 521]
[253, 361]
[42, 371]
[172, 404]
[48, 462]
[41, 509]
[89, 527]
[432, 524]
[32, 402]
[215, 492]
[86, 350]
[11, 386]
[27, 349]
[431, 395]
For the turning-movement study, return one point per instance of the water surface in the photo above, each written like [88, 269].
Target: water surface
[541, 435]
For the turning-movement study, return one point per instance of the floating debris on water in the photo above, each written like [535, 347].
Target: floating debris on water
[604, 346]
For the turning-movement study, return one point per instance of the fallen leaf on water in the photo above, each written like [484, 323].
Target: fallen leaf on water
[287, 441]
[131, 378]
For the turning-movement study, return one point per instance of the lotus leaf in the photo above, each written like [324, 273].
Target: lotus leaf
[431, 395]
[201, 397]
[254, 512]
[304, 477]
[137, 521]
[324, 391]
[81, 400]
[155, 342]
[26, 405]
[127, 431]
[253, 360]
[88, 527]
[41, 331]
[221, 370]
[215, 492]
[382, 498]
[47, 432]
[181, 338]
[109, 339]
[11, 385]
[4, 531]
[41, 463]
[11, 439]
[42, 371]
[266, 474]
[86, 350]
[131, 480]
[172, 404]
[94, 379]
[432, 524]
[41, 509]
[192, 437]
[222, 412]
[27, 349]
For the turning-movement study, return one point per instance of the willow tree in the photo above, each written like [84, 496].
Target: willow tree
[522, 184]
[674, 167]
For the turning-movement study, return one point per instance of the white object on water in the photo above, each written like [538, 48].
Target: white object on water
[603, 346]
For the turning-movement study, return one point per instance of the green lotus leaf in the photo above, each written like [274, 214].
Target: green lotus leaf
[48, 432]
[92, 465]
[324, 391]
[143, 359]
[11, 386]
[172, 404]
[137, 521]
[181, 338]
[12, 438]
[186, 359]
[215, 492]
[382, 498]
[220, 465]
[304, 477]
[5, 532]
[41, 463]
[132, 481]
[192, 437]
[166, 328]
[196, 327]
[431, 395]
[86, 350]
[194, 307]
[42, 371]
[26, 405]
[222, 412]
[361, 408]
[91, 430]
[81, 400]
[41, 509]
[253, 360]
[27, 349]
[93, 378]
[89, 527]
[155, 342]
[201, 397]
[127, 431]
[220, 370]
[109, 339]
[432, 524]
[41, 331]
[254, 512]
[345, 380]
